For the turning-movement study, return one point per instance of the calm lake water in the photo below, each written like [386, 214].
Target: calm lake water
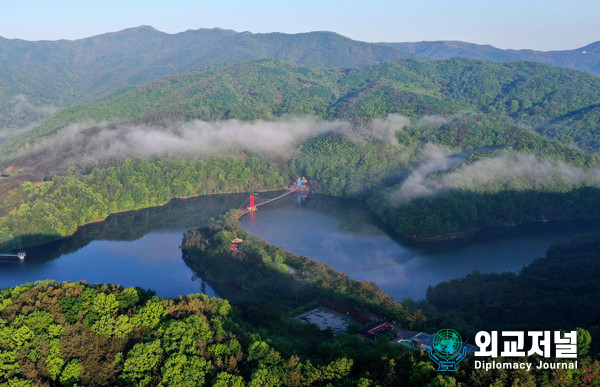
[347, 237]
[138, 248]
[141, 248]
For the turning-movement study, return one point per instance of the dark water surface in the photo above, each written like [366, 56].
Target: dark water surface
[137, 248]
[345, 235]
[141, 248]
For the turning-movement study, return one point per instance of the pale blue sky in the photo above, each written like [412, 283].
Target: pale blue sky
[535, 24]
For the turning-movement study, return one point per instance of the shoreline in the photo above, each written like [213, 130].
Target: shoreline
[460, 235]
[126, 211]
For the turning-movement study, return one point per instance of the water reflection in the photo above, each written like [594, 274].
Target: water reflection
[345, 235]
[141, 248]
[138, 248]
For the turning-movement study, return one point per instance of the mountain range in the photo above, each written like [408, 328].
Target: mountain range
[139, 104]
[559, 104]
[39, 77]
[62, 73]
[438, 146]
[584, 58]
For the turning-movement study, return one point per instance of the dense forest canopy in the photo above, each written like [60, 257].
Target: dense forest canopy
[531, 95]
[107, 335]
[554, 292]
[73, 333]
[441, 148]
[438, 149]
[40, 77]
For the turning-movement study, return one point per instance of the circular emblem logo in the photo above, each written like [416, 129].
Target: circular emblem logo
[447, 343]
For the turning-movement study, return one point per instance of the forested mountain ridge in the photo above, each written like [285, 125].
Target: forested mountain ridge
[585, 58]
[34, 214]
[377, 129]
[438, 149]
[529, 298]
[107, 335]
[43, 75]
[554, 102]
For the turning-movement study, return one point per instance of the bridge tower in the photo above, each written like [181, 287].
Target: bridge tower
[251, 205]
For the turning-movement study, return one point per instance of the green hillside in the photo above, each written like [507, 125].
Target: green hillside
[107, 335]
[41, 76]
[54, 209]
[529, 299]
[78, 334]
[436, 149]
[585, 58]
[38, 76]
[533, 96]
[395, 122]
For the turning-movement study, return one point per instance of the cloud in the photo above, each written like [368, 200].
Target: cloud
[514, 171]
[434, 120]
[22, 116]
[92, 143]
[531, 171]
[88, 144]
[386, 128]
[23, 107]
[376, 128]
[434, 158]
[6, 134]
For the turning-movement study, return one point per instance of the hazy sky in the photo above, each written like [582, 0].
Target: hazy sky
[536, 24]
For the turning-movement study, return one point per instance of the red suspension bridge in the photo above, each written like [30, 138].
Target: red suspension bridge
[254, 202]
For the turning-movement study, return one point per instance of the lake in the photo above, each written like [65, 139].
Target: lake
[141, 248]
[136, 248]
[346, 236]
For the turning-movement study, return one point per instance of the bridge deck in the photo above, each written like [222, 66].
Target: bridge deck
[286, 193]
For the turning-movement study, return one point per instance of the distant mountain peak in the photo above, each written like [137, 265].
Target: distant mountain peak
[591, 48]
[223, 29]
[142, 28]
[584, 58]
[145, 27]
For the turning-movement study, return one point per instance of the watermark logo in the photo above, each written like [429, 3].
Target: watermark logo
[447, 349]
[560, 345]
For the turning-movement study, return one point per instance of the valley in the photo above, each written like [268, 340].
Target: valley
[451, 185]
